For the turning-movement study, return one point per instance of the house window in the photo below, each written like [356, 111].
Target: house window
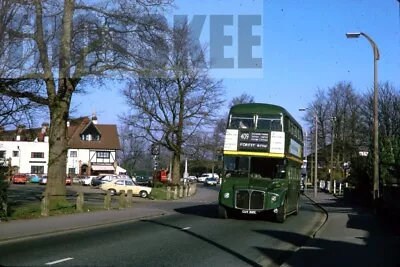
[71, 171]
[73, 154]
[37, 155]
[15, 153]
[103, 154]
[2, 154]
[37, 169]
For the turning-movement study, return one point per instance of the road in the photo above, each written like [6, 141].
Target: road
[192, 236]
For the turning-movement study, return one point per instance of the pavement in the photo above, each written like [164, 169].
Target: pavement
[351, 236]
[45, 226]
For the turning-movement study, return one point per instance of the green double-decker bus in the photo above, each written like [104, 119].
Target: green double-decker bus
[262, 156]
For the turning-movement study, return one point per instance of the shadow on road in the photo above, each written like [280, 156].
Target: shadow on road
[368, 243]
[211, 242]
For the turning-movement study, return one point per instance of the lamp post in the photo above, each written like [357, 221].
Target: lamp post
[315, 153]
[376, 142]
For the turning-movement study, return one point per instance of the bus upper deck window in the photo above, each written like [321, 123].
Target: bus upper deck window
[276, 126]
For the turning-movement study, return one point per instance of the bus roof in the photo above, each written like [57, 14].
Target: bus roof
[262, 109]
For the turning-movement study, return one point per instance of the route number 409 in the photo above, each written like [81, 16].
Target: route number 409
[249, 211]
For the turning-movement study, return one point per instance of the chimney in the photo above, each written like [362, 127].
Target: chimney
[45, 126]
[19, 132]
[94, 118]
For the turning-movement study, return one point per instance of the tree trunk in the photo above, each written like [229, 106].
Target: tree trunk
[58, 147]
[176, 171]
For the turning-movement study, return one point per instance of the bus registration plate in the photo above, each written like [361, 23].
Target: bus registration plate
[249, 212]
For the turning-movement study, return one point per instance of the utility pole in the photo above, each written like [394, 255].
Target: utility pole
[332, 143]
[316, 157]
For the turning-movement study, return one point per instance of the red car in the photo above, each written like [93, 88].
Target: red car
[68, 181]
[20, 178]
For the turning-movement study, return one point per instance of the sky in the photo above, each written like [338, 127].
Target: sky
[303, 48]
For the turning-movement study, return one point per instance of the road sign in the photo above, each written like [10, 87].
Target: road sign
[155, 149]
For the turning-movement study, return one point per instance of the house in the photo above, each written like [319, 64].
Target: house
[92, 148]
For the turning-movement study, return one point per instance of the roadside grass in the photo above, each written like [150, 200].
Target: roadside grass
[16, 211]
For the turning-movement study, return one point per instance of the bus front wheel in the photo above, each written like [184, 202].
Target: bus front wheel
[223, 212]
[280, 216]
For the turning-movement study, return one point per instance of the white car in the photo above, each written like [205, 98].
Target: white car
[87, 180]
[43, 180]
[204, 176]
[210, 182]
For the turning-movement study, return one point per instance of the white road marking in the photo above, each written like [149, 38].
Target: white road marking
[59, 261]
[186, 228]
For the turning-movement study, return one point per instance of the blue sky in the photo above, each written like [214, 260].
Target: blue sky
[304, 48]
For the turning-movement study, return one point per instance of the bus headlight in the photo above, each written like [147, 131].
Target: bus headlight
[226, 195]
[273, 198]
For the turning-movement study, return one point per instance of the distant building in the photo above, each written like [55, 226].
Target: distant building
[92, 148]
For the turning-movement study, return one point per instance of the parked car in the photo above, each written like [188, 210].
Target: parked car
[34, 178]
[68, 181]
[20, 178]
[210, 182]
[192, 178]
[145, 181]
[43, 180]
[87, 180]
[204, 176]
[124, 184]
[103, 179]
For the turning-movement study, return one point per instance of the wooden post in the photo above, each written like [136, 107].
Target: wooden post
[180, 191]
[79, 201]
[122, 200]
[45, 204]
[334, 187]
[107, 200]
[169, 193]
[129, 199]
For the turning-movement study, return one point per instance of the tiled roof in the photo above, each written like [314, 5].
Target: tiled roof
[25, 135]
[109, 135]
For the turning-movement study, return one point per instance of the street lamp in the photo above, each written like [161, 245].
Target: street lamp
[316, 153]
[376, 142]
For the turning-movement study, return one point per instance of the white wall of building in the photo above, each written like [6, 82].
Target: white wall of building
[25, 159]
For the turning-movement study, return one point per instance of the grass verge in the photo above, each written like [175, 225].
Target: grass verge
[159, 193]
[33, 210]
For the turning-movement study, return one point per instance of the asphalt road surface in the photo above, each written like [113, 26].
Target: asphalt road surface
[193, 236]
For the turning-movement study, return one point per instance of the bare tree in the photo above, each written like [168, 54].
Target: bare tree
[242, 99]
[171, 107]
[63, 44]
[13, 110]
[133, 148]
